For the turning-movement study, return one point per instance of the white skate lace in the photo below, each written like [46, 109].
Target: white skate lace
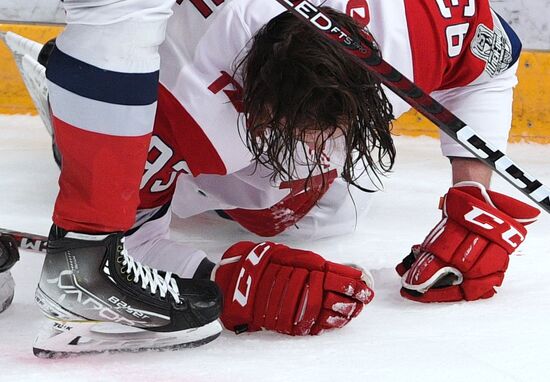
[150, 278]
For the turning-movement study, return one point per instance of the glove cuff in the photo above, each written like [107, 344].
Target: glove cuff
[429, 272]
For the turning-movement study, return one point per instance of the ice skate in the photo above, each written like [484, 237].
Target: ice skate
[101, 299]
[7, 289]
[9, 255]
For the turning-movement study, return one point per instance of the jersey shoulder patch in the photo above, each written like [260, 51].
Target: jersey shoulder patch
[499, 47]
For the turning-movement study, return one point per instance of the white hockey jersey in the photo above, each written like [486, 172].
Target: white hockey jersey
[460, 51]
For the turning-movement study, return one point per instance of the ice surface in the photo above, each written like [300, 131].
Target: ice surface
[505, 338]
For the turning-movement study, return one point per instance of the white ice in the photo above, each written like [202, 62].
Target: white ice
[502, 339]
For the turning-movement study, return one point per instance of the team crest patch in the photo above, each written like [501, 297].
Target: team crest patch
[493, 47]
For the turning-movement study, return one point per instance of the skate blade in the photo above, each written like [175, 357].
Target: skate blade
[60, 339]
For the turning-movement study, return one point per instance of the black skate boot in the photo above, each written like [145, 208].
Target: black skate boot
[9, 255]
[101, 299]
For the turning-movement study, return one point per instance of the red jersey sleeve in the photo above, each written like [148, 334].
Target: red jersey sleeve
[454, 41]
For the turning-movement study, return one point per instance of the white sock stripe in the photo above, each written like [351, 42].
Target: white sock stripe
[85, 236]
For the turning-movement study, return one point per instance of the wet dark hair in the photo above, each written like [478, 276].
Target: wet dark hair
[295, 81]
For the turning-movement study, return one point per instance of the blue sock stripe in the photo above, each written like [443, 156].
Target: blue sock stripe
[88, 81]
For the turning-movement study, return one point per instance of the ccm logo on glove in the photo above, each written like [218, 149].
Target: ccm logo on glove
[254, 259]
[489, 221]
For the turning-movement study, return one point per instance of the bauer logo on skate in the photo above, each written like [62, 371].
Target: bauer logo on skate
[253, 258]
[490, 222]
[122, 305]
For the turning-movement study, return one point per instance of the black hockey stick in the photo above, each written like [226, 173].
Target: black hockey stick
[27, 241]
[368, 55]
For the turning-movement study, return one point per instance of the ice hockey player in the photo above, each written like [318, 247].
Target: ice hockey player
[9, 255]
[314, 122]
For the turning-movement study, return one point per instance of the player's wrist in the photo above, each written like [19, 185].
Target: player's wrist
[470, 169]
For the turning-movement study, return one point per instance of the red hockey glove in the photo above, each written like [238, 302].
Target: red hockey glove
[465, 256]
[291, 291]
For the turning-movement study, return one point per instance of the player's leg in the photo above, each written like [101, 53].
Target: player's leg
[149, 239]
[88, 277]
[102, 80]
[150, 244]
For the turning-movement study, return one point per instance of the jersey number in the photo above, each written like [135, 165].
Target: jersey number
[161, 154]
[456, 33]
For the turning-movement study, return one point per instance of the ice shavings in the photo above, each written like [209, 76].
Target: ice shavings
[344, 308]
[336, 322]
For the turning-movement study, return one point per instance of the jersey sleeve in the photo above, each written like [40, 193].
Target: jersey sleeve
[486, 106]
[466, 56]
[454, 42]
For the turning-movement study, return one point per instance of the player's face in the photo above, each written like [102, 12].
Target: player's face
[315, 140]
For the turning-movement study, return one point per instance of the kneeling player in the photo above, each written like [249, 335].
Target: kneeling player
[315, 122]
